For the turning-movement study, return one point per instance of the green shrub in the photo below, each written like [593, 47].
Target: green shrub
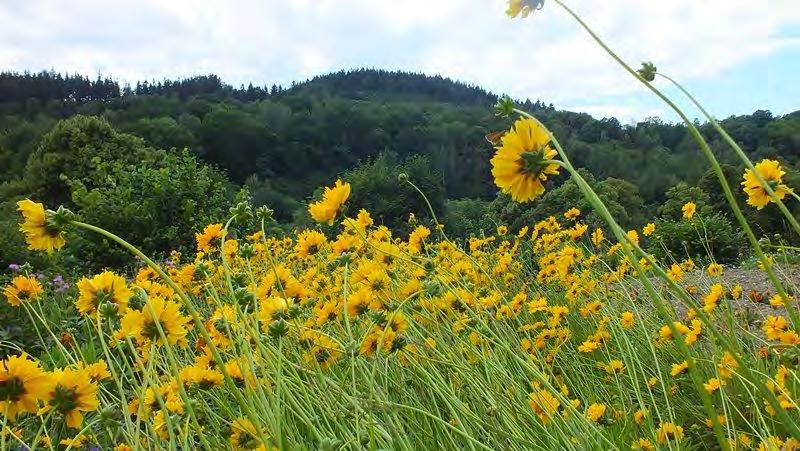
[375, 186]
[153, 198]
[699, 238]
[466, 217]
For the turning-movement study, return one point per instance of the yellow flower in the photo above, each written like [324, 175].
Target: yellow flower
[595, 412]
[713, 385]
[774, 326]
[714, 270]
[204, 378]
[96, 371]
[104, 287]
[71, 395]
[518, 164]
[643, 444]
[332, 202]
[415, 240]
[22, 289]
[649, 229]
[675, 272]
[727, 365]
[309, 242]
[597, 237]
[38, 227]
[678, 368]
[274, 308]
[688, 210]
[669, 431]
[169, 394]
[76, 442]
[572, 213]
[210, 239]
[142, 325]
[544, 404]
[633, 236]
[245, 436]
[22, 385]
[523, 7]
[779, 301]
[627, 319]
[588, 346]
[771, 172]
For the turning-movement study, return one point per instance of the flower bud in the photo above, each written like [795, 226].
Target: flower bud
[648, 71]
[264, 213]
[504, 106]
[108, 309]
[242, 213]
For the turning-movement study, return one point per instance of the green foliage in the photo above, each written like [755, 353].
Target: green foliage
[681, 194]
[698, 238]
[284, 143]
[154, 198]
[158, 205]
[466, 217]
[73, 153]
[375, 186]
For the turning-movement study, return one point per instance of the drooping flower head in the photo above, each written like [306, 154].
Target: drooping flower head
[523, 7]
[518, 165]
[772, 173]
[331, 204]
[105, 287]
[41, 231]
[71, 395]
[244, 436]
[22, 385]
[22, 289]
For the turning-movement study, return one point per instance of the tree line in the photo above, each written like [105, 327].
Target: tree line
[281, 143]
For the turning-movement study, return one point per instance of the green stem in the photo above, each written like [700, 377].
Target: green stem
[706, 151]
[198, 322]
[786, 213]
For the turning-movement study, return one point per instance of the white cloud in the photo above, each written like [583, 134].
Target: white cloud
[546, 56]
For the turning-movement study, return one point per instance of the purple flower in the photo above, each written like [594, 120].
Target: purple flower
[14, 267]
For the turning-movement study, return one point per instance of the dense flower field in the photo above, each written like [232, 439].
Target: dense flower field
[539, 337]
[346, 336]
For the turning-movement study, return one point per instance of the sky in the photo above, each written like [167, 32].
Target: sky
[736, 56]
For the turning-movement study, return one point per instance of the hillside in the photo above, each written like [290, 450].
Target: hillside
[281, 143]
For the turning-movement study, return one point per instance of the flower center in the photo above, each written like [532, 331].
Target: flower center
[64, 399]
[533, 162]
[11, 389]
[247, 441]
[150, 330]
[322, 355]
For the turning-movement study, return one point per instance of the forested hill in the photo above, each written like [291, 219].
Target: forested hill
[283, 142]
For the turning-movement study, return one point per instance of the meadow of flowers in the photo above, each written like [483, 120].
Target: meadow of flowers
[346, 336]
